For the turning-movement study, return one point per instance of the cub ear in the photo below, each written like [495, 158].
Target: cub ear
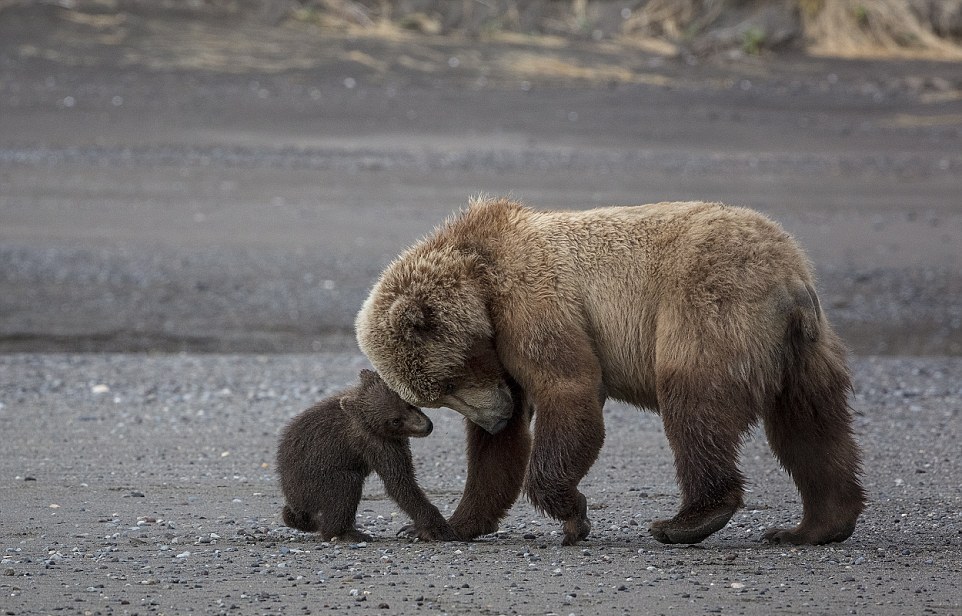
[411, 318]
[348, 403]
[369, 377]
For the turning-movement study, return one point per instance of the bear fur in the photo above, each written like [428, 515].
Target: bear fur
[325, 454]
[704, 313]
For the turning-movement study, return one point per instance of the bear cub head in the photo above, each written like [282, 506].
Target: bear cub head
[382, 412]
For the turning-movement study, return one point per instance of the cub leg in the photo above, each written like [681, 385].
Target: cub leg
[339, 509]
[396, 469]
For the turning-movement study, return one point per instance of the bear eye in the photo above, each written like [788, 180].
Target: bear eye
[396, 422]
[449, 388]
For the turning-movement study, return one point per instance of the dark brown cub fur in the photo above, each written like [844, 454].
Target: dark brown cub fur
[327, 452]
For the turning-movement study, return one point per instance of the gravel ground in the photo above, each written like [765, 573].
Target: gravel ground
[145, 484]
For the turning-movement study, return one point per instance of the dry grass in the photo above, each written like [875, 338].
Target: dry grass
[842, 28]
[872, 29]
[543, 66]
[845, 28]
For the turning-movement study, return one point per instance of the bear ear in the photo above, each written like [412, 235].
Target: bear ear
[369, 377]
[348, 403]
[411, 318]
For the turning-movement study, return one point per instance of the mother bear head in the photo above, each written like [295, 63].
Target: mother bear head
[426, 328]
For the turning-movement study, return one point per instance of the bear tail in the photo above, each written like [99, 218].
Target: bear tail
[301, 520]
[806, 320]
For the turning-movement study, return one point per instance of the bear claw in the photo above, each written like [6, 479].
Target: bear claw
[429, 533]
[352, 536]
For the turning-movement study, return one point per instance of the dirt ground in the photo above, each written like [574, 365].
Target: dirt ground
[227, 190]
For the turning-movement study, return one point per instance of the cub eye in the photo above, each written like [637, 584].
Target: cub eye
[396, 422]
[449, 388]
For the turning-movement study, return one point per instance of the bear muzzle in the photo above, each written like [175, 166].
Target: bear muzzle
[489, 408]
[419, 425]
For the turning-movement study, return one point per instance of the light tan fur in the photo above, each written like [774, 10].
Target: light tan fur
[702, 312]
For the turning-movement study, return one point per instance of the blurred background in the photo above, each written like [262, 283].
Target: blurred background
[232, 175]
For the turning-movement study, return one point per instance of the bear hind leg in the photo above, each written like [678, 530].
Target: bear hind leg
[705, 436]
[711, 488]
[339, 512]
[809, 429]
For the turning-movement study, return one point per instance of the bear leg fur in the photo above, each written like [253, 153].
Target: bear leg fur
[342, 496]
[301, 520]
[704, 426]
[568, 437]
[496, 465]
[809, 429]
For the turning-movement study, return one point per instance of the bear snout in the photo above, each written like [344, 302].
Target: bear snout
[428, 427]
[419, 426]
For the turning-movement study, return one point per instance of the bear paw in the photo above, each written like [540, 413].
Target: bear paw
[438, 532]
[471, 528]
[690, 528]
[578, 526]
[575, 530]
[801, 535]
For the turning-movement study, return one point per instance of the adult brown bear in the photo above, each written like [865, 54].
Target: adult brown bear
[705, 313]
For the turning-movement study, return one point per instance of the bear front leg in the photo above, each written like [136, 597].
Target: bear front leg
[496, 465]
[568, 436]
[396, 469]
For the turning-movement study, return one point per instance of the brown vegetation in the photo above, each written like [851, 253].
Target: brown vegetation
[846, 28]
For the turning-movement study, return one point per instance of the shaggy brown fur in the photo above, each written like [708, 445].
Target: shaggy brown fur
[706, 314]
[326, 452]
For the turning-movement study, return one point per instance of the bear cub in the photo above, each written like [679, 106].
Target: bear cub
[325, 454]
